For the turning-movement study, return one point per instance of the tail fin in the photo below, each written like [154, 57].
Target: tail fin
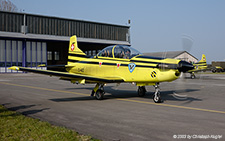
[203, 58]
[202, 62]
[75, 54]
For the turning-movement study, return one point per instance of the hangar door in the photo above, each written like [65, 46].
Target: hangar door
[21, 53]
[10, 54]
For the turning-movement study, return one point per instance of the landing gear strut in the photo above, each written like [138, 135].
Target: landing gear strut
[141, 91]
[98, 91]
[156, 96]
[193, 76]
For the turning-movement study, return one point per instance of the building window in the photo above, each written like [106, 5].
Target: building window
[49, 55]
[56, 55]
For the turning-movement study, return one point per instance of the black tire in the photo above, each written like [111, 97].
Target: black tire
[141, 91]
[99, 94]
[157, 98]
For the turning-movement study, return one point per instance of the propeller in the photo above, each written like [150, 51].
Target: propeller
[187, 42]
[181, 88]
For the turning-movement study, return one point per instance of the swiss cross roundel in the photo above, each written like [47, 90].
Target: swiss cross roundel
[72, 47]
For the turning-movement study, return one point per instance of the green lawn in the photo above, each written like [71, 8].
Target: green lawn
[14, 126]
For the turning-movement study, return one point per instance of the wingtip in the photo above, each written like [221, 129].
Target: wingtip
[42, 65]
[14, 68]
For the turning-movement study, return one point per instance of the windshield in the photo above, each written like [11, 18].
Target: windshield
[119, 51]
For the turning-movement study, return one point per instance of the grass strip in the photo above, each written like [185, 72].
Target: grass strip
[15, 126]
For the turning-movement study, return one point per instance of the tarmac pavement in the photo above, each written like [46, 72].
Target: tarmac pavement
[192, 108]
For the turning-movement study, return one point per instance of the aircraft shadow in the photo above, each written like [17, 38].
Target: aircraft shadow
[22, 107]
[81, 88]
[73, 99]
[112, 93]
[31, 112]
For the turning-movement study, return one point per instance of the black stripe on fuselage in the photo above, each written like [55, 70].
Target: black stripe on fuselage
[79, 55]
[138, 61]
[74, 61]
[114, 64]
[129, 61]
[200, 63]
[116, 60]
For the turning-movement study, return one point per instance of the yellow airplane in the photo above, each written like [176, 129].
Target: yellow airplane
[199, 66]
[116, 64]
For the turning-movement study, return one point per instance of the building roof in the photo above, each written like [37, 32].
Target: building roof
[39, 27]
[59, 38]
[167, 54]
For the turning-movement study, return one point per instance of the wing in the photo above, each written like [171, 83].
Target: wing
[71, 76]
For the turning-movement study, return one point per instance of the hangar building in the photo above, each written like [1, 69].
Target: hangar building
[29, 40]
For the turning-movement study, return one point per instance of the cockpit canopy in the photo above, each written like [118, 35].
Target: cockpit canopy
[119, 51]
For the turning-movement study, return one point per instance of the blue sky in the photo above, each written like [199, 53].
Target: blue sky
[156, 25]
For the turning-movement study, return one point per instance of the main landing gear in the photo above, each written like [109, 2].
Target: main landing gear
[156, 96]
[193, 76]
[141, 91]
[98, 91]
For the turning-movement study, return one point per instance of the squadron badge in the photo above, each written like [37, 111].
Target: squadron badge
[131, 67]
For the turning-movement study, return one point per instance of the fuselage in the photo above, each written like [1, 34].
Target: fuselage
[140, 69]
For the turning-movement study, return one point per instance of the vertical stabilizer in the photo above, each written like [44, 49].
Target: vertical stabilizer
[75, 54]
[202, 63]
[203, 58]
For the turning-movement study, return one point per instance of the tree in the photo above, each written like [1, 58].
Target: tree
[7, 5]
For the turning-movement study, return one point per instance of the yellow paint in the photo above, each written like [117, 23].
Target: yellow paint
[141, 75]
[14, 68]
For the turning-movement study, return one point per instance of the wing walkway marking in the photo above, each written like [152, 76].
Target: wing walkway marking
[120, 99]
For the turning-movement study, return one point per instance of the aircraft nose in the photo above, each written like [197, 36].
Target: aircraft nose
[184, 66]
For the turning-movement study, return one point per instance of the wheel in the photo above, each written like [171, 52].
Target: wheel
[141, 91]
[99, 94]
[156, 98]
[192, 76]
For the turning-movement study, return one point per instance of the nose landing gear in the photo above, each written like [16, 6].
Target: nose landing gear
[156, 96]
